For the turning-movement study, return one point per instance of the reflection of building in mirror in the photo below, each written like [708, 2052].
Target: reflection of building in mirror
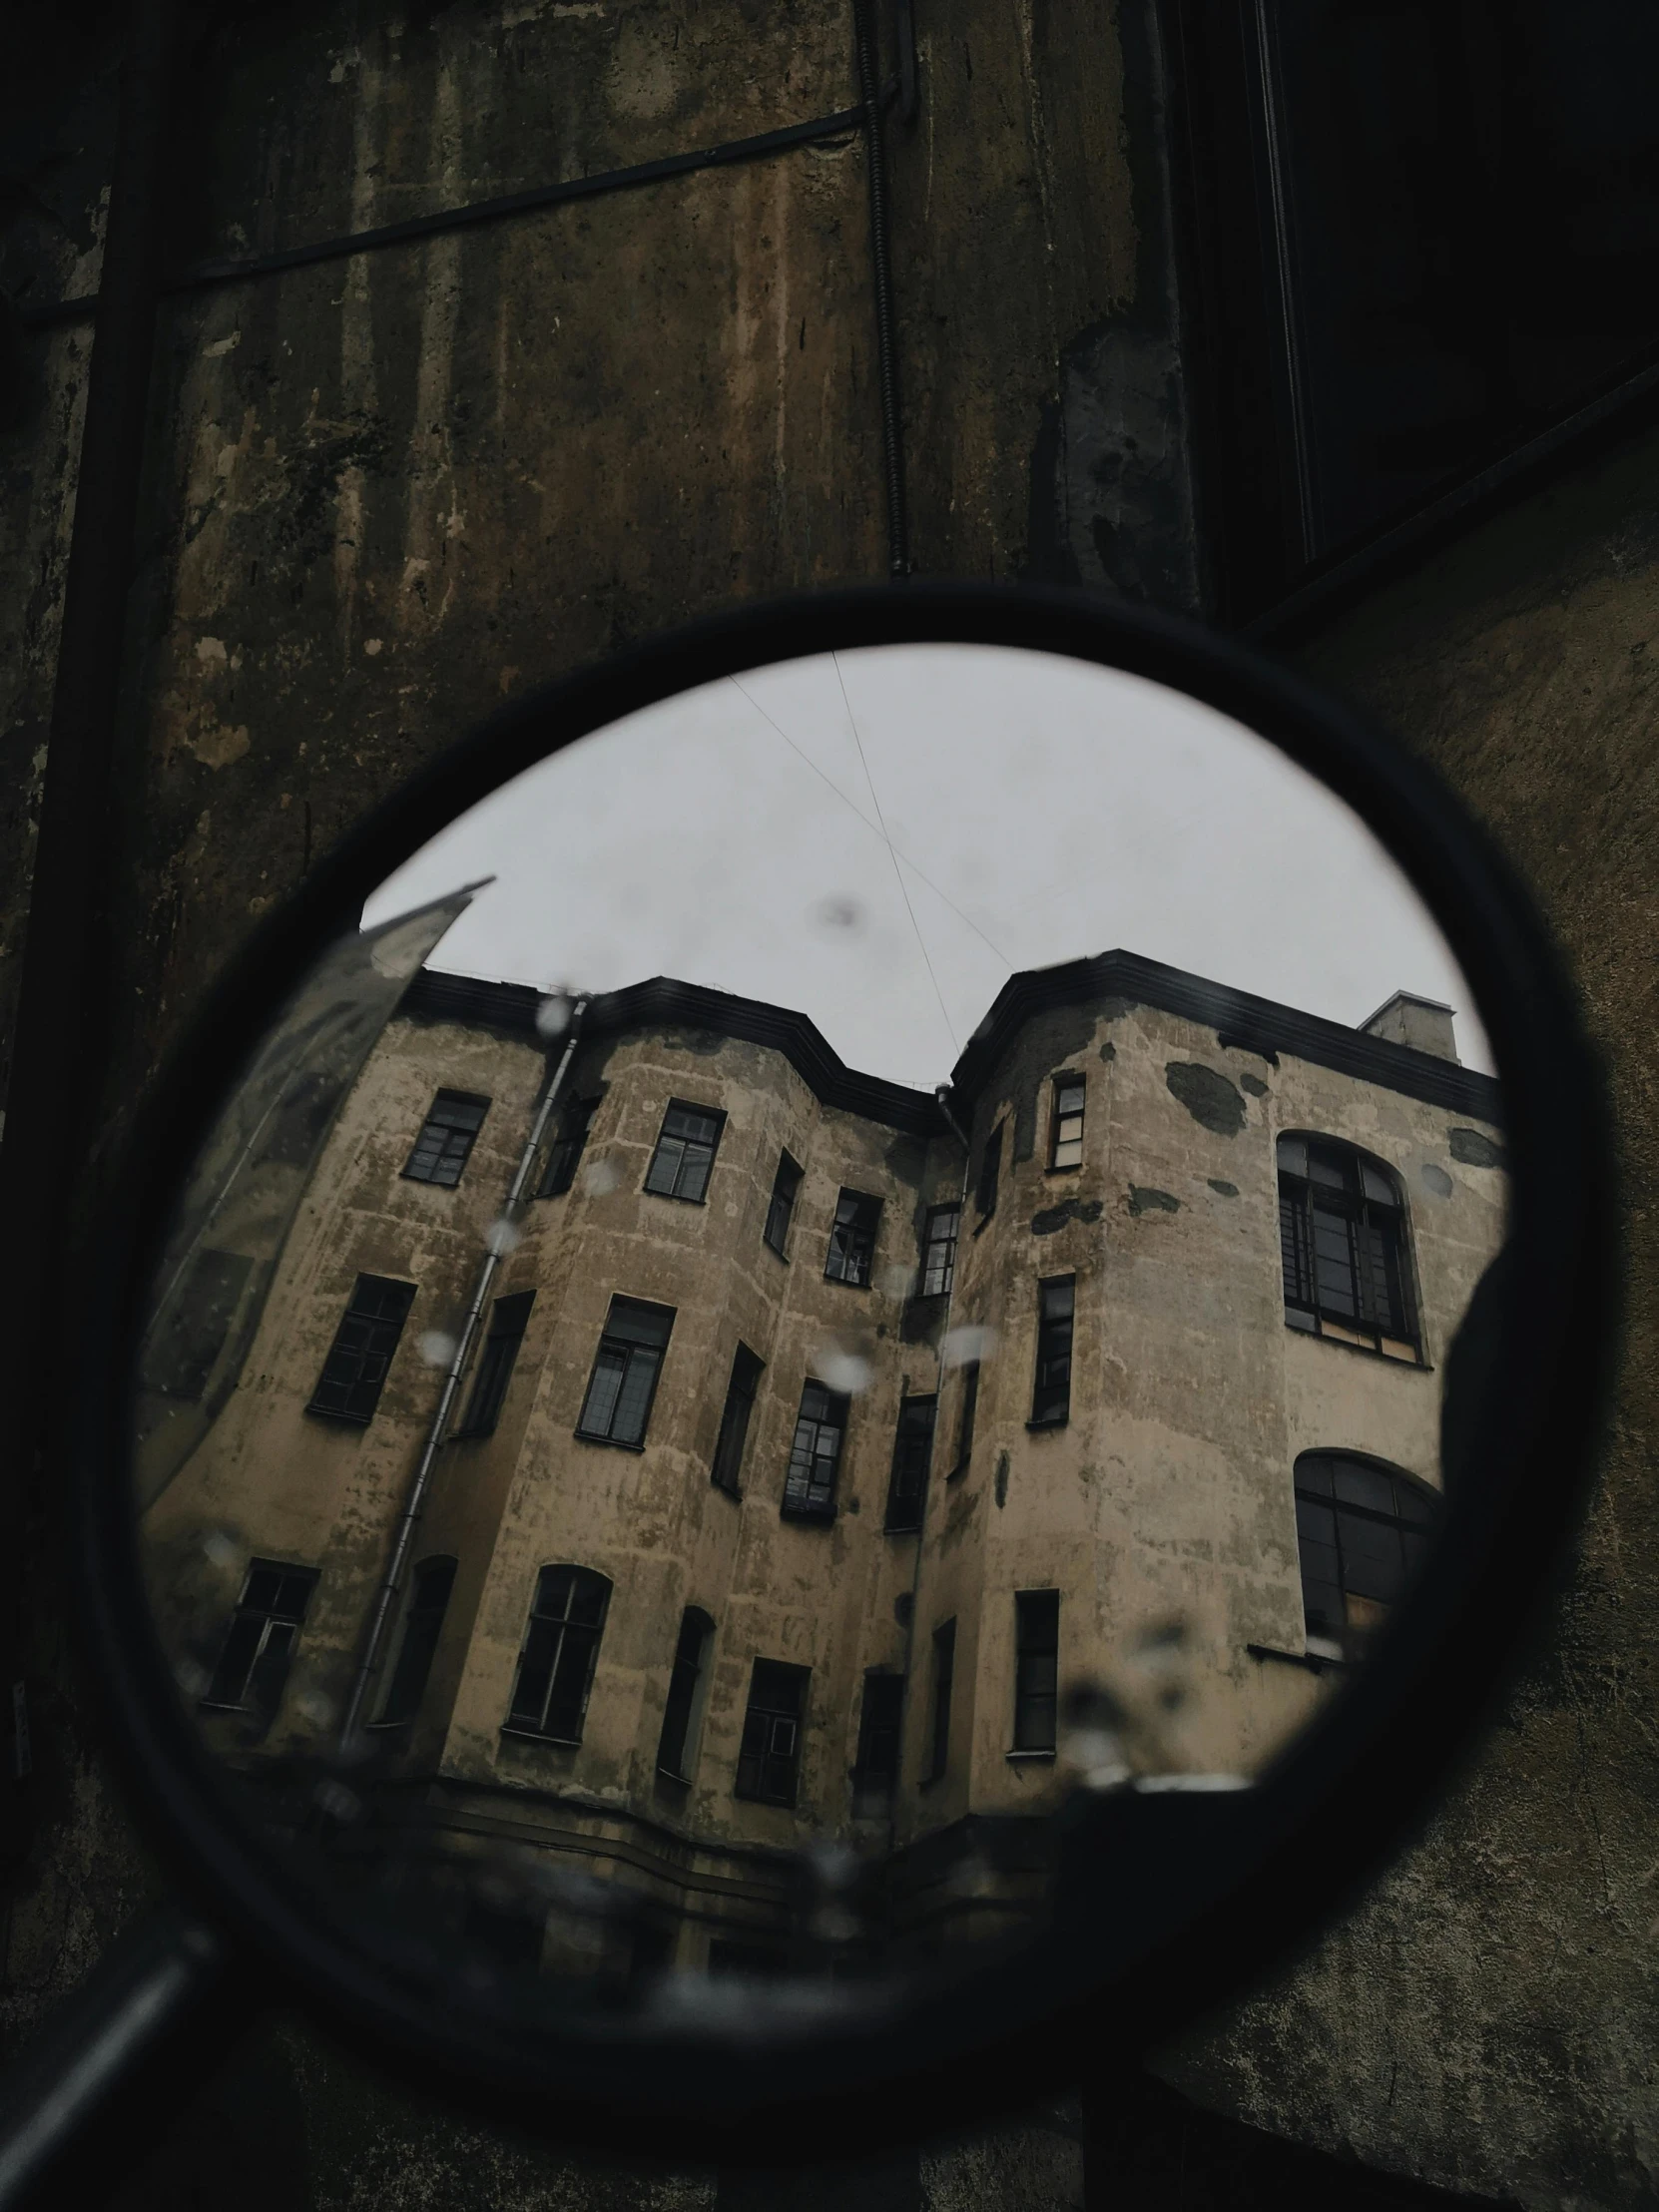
[798, 1451]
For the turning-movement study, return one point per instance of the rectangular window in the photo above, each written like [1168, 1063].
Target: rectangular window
[254, 1661]
[1065, 1148]
[565, 1156]
[428, 1602]
[938, 1249]
[734, 1420]
[853, 1239]
[1051, 1396]
[685, 1152]
[1037, 1668]
[769, 1763]
[880, 1721]
[815, 1457]
[971, 1406]
[354, 1373]
[561, 1647]
[451, 1128]
[944, 1667]
[625, 1372]
[495, 1365]
[990, 1166]
[676, 1745]
[786, 1187]
[913, 1456]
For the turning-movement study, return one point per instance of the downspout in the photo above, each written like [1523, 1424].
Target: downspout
[391, 1584]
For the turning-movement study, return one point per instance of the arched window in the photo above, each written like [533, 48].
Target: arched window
[1363, 1529]
[1341, 1240]
[561, 1645]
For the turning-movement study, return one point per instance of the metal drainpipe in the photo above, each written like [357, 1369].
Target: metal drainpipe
[386, 1597]
[887, 360]
[922, 1538]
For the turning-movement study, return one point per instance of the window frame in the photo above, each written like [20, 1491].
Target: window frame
[929, 1241]
[688, 1685]
[564, 1153]
[911, 1495]
[1365, 1215]
[1074, 1079]
[968, 1412]
[493, 1376]
[790, 1172]
[743, 1387]
[875, 1780]
[1342, 1639]
[357, 1415]
[1036, 1639]
[806, 1500]
[757, 1758]
[412, 1670]
[863, 1228]
[269, 1703]
[613, 1342]
[586, 1580]
[681, 1197]
[444, 1154]
[1048, 1328]
[944, 1647]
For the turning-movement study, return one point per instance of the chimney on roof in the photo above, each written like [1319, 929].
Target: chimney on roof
[1423, 1023]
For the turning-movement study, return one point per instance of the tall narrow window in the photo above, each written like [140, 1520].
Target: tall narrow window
[880, 1721]
[685, 1152]
[1037, 1668]
[253, 1659]
[1342, 1241]
[971, 1406]
[1364, 1531]
[786, 1188]
[990, 1166]
[428, 1602]
[1051, 1395]
[508, 1322]
[734, 1420]
[815, 1457]
[354, 1373]
[1065, 1146]
[565, 1154]
[561, 1646]
[769, 1762]
[944, 1669]
[913, 1456]
[452, 1129]
[676, 1745]
[938, 1249]
[853, 1239]
[624, 1371]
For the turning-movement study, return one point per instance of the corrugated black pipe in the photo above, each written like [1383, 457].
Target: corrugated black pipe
[886, 360]
[63, 1015]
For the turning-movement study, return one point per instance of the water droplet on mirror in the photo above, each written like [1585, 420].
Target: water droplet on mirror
[316, 1707]
[436, 1348]
[838, 914]
[191, 1678]
[899, 1281]
[600, 1179]
[839, 1368]
[963, 1346]
[501, 1237]
[337, 1802]
[220, 1550]
[553, 1016]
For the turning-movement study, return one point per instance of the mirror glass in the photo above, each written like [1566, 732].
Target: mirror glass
[848, 1258]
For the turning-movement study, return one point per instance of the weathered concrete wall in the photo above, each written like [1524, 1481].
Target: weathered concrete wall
[1488, 2018]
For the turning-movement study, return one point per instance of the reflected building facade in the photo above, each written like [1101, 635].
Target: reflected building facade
[818, 1439]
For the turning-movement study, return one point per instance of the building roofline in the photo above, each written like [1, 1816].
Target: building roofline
[1261, 1026]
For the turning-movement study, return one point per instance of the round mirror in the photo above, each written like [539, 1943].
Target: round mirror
[805, 1372]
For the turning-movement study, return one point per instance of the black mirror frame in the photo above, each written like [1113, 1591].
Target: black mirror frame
[1204, 1892]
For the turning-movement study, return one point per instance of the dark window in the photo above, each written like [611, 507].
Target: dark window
[354, 1373]
[1363, 1530]
[1051, 1397]
[786, 1187]
[971, 1406]
[1065, 1145]
[913, 1456]
[253, 1662]
[565, 1156]
[769, 1763]
[938, 1249]
[676, 1747]
[495, 1365]
[734, 1419]
[181, 1357]
[452, 1129]
[881, 1720]
[944, 1667]
[561, 1644]
[428, 1601]
[815, 1457]
[990, 1166]
[685, 1152]
[1342, 1241]
[624, 1371]
[853, 1239]
[1037, 1668]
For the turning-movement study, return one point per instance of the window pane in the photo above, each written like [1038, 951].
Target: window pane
[638, 1324]
[634, 1399]
[1293, 1155]
[599, 1410]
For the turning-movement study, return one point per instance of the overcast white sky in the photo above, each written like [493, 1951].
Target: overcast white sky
[1039, 809]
